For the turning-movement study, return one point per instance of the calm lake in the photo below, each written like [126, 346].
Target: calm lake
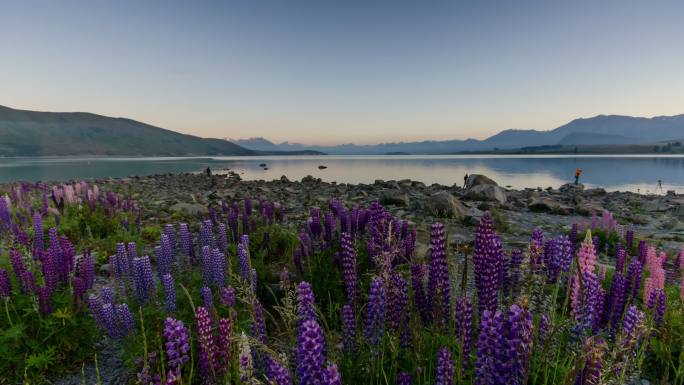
[612, 172]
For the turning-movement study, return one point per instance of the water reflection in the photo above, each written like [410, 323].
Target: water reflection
[611, 172]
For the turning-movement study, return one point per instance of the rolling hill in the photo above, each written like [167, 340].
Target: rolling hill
[33, 133]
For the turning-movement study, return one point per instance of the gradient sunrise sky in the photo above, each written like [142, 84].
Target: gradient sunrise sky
[329, 72]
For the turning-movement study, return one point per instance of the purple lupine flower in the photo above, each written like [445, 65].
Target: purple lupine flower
[315, 222]
[633, 317]
[348, 328]
[629, 239]
[518, 343]
[109, 320]
[38, 240]
[418, 288]
[349, 267]
[124, 262]
[331, 376]
[642, 250]
[634, 278]
[248, 207]
[177, 344]
[375, 312]
[5, 214]
[620, 259]
[590, 374]
[445, 367]
[17, 262]
[586, 312]
[596, 241]
[616, 300]
[306, 303]
[208, 355]
[107, 295]
[233, 224]
[185, 236]
[399, 311]
[562, 258]
[169, 293]
[439, 289]
[49, 268]
[277, 373]
[218, 268]
[44, 300]
[464, 328]
[487, 259]
[206, 266]
[164, 253]
[95, 306]
[207, 297]
[403, 378]
[28, 282]
[86, 269]
[170, 233]
[78, 286]
[536, 247]
[5, 284]
[68, 255]
[659, 309]
[258, 325]
[310, 353]
[227, 296]
[489, 345]
[222, 238]
[143, 279]
[513, 272]
[225, 326]
[123, 314]
[244, 264]
[207, 235]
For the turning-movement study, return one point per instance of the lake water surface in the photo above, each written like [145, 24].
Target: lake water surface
[612, 172]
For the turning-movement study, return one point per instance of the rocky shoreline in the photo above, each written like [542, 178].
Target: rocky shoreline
[659, 218]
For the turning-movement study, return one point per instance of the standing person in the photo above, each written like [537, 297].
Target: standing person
[660, 185]
[578, 172]
[465, 180]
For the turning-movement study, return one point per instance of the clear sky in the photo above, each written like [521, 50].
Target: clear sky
[326, 72]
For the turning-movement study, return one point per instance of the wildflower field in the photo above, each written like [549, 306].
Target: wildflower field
[241, 295]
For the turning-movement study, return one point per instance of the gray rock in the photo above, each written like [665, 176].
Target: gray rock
[487, 192]
[444, 204]
[541, 204]
[571, 188]
[106, 269]
[478, 180]
[189, 208]
[394, 198]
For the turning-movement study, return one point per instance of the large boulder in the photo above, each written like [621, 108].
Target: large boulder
[570, 188]
[487, 192]
[478, 180]
[443, 204]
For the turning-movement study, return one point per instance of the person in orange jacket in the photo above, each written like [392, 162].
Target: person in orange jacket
[578, 172]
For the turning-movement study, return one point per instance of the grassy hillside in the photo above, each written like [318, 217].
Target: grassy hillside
[33, 133]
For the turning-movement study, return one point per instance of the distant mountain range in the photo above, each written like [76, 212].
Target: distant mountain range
[601, 131]
[34, 133]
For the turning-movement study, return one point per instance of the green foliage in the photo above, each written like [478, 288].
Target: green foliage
[35, 347]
